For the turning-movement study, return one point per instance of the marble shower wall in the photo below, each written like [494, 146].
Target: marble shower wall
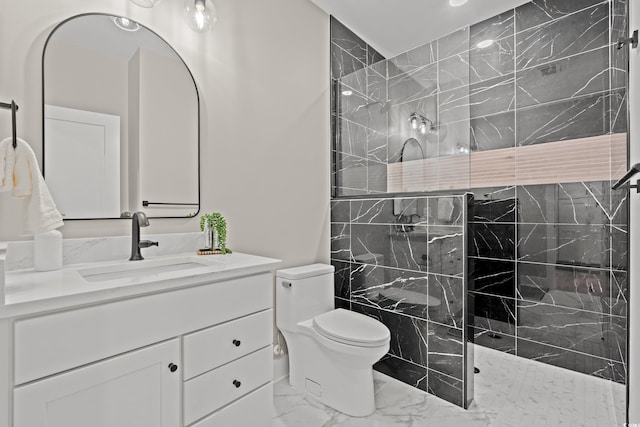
[549, 263]
[403, 262]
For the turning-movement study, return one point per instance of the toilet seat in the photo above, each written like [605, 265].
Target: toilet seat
[348, 327]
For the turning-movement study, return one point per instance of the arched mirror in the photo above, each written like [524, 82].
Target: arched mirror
[121, 121]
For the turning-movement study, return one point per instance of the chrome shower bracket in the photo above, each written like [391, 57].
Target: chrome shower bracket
[633, 41]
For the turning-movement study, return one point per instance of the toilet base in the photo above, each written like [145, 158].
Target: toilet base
[342, 381]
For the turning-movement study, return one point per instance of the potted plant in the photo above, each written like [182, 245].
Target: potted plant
[215, 228]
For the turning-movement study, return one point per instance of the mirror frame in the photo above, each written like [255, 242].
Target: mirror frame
[195, 85]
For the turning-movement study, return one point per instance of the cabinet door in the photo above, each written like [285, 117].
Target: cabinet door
[135, 389]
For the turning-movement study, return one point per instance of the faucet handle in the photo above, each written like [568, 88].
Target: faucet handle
[147, 243]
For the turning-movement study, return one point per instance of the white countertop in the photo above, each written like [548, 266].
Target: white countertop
[28, 292]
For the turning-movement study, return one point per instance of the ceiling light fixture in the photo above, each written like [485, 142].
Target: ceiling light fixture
[201, 15]
[146, 3]
[125, 23]
[456, 3]
[485, 44]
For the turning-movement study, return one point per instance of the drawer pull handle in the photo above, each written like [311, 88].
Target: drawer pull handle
[237, 383]
[173, 367]
[236, 343]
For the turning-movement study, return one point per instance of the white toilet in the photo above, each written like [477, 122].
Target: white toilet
[331, 352]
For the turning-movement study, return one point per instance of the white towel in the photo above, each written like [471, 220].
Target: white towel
[20, 174]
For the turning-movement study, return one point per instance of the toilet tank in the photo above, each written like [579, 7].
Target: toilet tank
[302, 293]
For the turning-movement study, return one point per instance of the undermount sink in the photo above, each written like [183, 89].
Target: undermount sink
[146, 268]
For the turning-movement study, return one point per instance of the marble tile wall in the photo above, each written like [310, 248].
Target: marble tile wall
[403, 262]
[548, 262]
[358, 115]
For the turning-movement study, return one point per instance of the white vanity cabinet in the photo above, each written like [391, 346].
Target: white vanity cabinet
[198, 355]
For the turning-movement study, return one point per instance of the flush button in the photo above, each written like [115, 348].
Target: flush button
[286, 284]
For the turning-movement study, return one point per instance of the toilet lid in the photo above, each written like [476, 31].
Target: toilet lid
[351, 328]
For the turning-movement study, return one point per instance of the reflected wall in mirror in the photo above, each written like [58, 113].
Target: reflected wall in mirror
[121, 122]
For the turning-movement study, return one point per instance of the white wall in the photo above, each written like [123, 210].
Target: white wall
[263, 76]
[633, 355]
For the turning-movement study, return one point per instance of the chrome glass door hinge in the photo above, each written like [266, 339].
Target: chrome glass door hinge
[633, 41]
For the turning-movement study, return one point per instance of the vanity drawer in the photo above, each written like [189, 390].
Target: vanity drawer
[255, 410]
[56, 342]
[213, 347]
[210, 391]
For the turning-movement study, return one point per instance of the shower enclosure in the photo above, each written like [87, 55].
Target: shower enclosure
[462, 208]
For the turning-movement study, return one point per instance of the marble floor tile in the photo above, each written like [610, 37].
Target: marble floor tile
[509, 391]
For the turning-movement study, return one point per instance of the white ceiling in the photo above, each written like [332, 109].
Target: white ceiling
[395, 26]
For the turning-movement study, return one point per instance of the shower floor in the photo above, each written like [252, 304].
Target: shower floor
[509, 391]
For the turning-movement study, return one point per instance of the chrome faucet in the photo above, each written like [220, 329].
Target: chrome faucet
[139, 220]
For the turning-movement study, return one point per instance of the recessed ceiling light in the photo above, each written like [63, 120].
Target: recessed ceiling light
[484, 44]
[456, 3]
[125, 23]
[347, 92]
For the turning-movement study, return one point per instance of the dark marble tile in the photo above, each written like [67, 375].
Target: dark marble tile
[492, 97]
[373, 211]
[577, 330]
[495, 204]
[351, 174]
[565, 244]
[340, 241]
[408, 334]
[579, 75]
[417, 84]
[619, 248]
[413, 59]
[399, 291]
[354, 107]
[348, 40]
[493, 277]
[492, 313]
[495, 28]
[454, 140]
[453, 43]
[538, 12]
[376, 85]
[408, 373]
[575, 361]
[618, 302]
[377, 147]
[493, 132]
[453, 72]
[373, 56]
[569, 203]
[445, 350]
[340, 211]
[494, 60]
[446, 250]
[446, 387]
[618, 111]
[573, 34]
[408, 250]
[341, 279]
[453, 106]
[572, 119]
[449, 300]
[448, 211]
[376, 177]
[492, 240]
[564, 286]
[342, 303]
[343, 63]
[356, 81]
[352, 139]
[371, 242]
[495, 341]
